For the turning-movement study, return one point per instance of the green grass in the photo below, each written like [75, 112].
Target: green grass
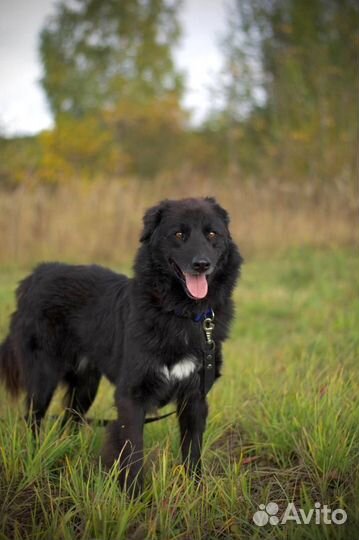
[283, 426]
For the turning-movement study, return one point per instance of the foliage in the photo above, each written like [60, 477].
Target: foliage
[150, 133]
[79, 147]
[113, 87]
[289, 86]
[20, 159]
[97, 53]
[283, 107]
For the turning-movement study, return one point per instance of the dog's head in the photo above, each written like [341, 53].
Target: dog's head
[189, 239]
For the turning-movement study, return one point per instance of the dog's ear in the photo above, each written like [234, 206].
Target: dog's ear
[223, 214]
[151, 220]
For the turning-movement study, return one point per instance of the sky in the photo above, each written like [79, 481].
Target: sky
[23, 107]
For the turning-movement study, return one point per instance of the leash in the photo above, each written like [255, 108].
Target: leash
[209, 349]
[105, 421]
[147, 420]
[208, 371]
[207, 374]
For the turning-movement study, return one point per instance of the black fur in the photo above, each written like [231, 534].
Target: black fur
[74, 324]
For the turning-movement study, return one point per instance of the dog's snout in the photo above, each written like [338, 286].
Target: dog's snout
[201, 264]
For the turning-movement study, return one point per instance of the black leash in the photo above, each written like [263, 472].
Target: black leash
[105, 421]
[207, 374]
[147, 420]
[208, 362]
[155, 418]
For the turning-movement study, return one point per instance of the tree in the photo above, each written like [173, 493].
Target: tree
[95, 53]
[113, 87]
[300, 57]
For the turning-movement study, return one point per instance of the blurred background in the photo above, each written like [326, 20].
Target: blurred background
[107, 107]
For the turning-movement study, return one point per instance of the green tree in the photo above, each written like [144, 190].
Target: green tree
[95, 53]
[300, 58]
[113, 87]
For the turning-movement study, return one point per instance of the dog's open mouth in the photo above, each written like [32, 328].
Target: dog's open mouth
[196, 285]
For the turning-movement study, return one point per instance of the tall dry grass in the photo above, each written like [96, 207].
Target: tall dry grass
[101, 221]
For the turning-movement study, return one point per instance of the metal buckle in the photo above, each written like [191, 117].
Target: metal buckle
[208, 327]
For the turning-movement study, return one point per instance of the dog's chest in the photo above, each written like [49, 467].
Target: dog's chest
[183, 369]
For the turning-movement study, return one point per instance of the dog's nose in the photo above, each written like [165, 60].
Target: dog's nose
[200, 264]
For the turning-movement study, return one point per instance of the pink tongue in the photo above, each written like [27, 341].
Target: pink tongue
[197, 285]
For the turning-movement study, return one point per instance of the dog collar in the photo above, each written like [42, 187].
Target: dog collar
[196, 317]
[200, 317]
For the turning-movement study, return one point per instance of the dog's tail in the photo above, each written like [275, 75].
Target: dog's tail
[10, 373]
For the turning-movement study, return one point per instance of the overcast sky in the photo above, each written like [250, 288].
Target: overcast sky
[23, 107]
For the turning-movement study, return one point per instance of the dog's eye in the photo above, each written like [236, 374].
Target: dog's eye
[179, 235]
[211, 235]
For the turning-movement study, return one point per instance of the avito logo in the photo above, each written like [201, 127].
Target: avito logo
[267, 514]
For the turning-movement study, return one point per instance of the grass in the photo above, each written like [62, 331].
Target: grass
[101, 221]
[283, 426]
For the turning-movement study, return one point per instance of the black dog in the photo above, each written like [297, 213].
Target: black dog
[157, 337]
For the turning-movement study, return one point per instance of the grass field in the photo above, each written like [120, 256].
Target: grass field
[283, 426]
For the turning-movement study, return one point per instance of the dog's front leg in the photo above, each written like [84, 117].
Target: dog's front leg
[125, 440]
[192, 414]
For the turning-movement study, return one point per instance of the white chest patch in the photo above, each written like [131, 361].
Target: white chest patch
[182, 369]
